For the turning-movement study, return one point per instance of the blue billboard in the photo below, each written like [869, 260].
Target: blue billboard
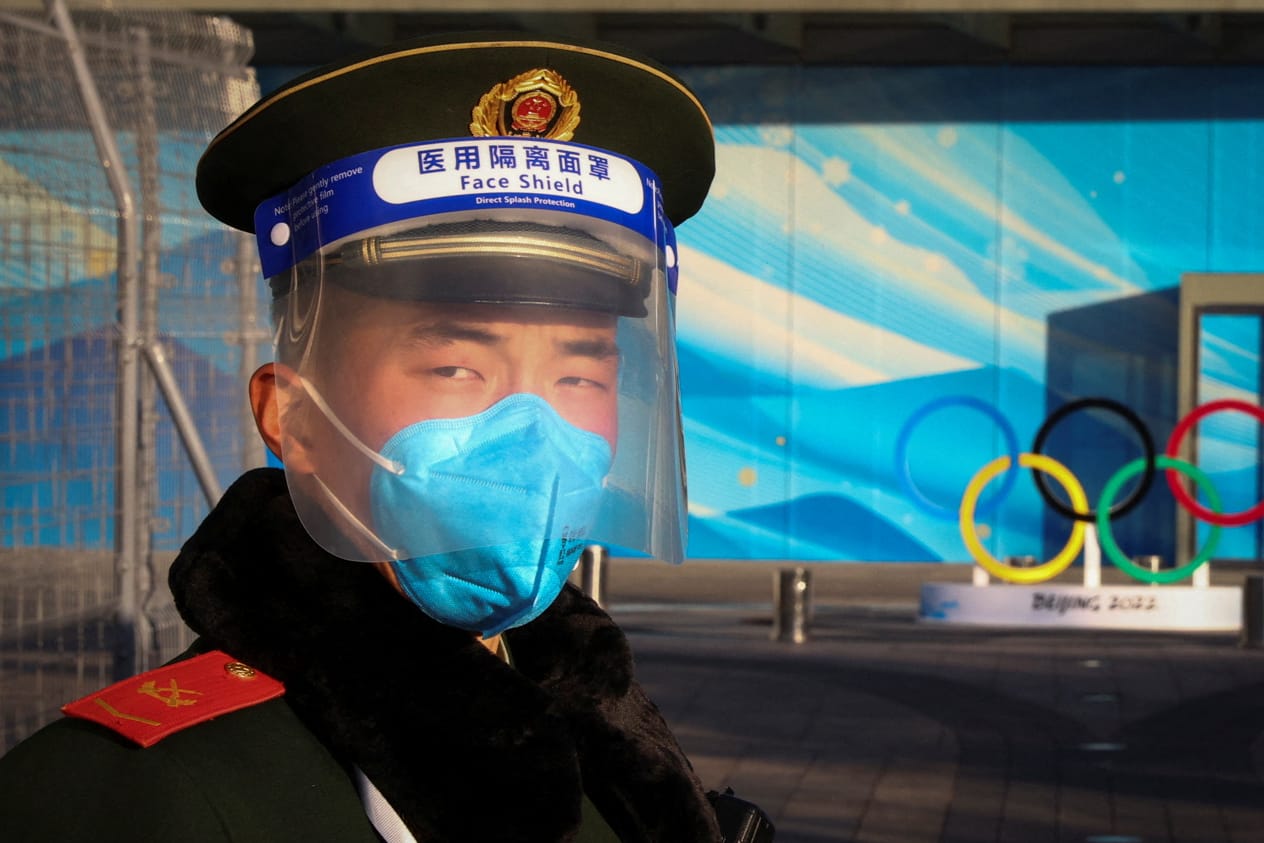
[899, 275]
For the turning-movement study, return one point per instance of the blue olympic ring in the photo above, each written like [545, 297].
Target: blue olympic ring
[902, 473]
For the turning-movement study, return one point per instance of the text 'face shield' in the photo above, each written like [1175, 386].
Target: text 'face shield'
[475, 348]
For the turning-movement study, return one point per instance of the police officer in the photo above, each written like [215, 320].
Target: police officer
[471, 248]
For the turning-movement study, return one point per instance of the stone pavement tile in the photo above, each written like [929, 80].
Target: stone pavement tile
[774, 779]
[1020, 691]
[1092, 693]
[824, 819]
[1199, 671]
[1085, 687]
[1027, 764]
[715, 771]
[975, 669]
[807, 800]
[1139, 815]
[1146, 683]
[1241, 824]
[713, 765]
[902, 730]
[1084, 804]
[974, 810]
[777, 708]
[1029, 814]
[1246, 664]
[1198, 821]
[884, 822]
[782, 779]
[675, 690]
[910, 796]
[986, 777]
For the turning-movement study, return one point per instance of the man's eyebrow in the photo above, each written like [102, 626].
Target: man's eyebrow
[599, 348]
[444, 332]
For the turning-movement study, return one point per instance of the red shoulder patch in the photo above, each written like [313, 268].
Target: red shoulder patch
[153, 705]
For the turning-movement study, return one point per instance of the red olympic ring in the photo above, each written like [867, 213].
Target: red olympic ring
[1202, 513]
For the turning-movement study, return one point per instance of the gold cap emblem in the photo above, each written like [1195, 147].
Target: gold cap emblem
[535, 104]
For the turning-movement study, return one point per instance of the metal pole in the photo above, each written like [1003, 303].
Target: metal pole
[129, 637]
[1259, 445]
[1187, 365]
[202, 467]
[792, 605]
[1252, 612]
[147, 433]
[592, 573]
[253, 451]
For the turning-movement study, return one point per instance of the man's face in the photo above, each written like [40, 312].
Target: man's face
[384, 364]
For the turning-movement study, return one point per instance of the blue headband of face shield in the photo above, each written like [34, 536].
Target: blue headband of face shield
[461, 179]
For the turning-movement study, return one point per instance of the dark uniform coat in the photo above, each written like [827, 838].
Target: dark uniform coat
[463, 746]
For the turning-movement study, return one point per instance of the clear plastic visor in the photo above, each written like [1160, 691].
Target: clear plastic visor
[478, 379]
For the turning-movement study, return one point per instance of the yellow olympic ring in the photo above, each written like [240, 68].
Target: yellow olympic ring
[1056, 565]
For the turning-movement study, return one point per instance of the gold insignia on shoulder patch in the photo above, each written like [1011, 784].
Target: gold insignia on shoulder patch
[535, 104]
[149, 707]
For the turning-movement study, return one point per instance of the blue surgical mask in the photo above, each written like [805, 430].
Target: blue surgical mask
[487, 515]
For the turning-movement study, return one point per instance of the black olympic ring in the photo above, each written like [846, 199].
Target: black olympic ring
[1147, 442]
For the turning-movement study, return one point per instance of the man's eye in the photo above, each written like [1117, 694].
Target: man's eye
[587, 383]
[455, 372]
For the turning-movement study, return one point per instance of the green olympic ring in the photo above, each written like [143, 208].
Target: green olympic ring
[1107, 540]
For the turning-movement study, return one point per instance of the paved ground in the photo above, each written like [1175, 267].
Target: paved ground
[880, 729]
[877, 729]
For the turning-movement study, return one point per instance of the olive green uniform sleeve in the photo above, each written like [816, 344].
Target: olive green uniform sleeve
[253, 775]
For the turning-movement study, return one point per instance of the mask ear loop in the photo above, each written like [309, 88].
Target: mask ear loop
[355, 522]
[317, 399]
[381, 461]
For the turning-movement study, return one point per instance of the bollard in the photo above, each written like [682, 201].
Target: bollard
[1252, 612]
[592, 573]
[792, 604]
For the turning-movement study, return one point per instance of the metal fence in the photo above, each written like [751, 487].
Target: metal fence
[128, 318]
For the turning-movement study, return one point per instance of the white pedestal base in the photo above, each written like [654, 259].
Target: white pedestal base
[1159, 608]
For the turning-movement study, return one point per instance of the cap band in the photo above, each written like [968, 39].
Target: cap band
[405, 182]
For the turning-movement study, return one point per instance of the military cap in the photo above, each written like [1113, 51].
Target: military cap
[438, 88]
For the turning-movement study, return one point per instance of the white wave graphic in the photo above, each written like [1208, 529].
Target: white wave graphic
[930, 290]
[766, 328]
[1061, 207]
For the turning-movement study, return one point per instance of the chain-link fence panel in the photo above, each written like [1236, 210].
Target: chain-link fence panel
[179, 317]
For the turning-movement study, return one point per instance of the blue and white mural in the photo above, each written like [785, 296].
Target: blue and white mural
[886, 237]
[877, 239]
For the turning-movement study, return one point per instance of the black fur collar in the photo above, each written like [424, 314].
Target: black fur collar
[463, 746]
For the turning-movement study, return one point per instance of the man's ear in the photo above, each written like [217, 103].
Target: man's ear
[267, 386]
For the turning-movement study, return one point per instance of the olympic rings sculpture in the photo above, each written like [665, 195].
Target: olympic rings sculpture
[1233, 519]
[990, 563]
[1137, 425]
[1078, 511]
[1107, 538]
[920, 500]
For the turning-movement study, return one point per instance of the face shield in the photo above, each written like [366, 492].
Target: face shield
[475, 349]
